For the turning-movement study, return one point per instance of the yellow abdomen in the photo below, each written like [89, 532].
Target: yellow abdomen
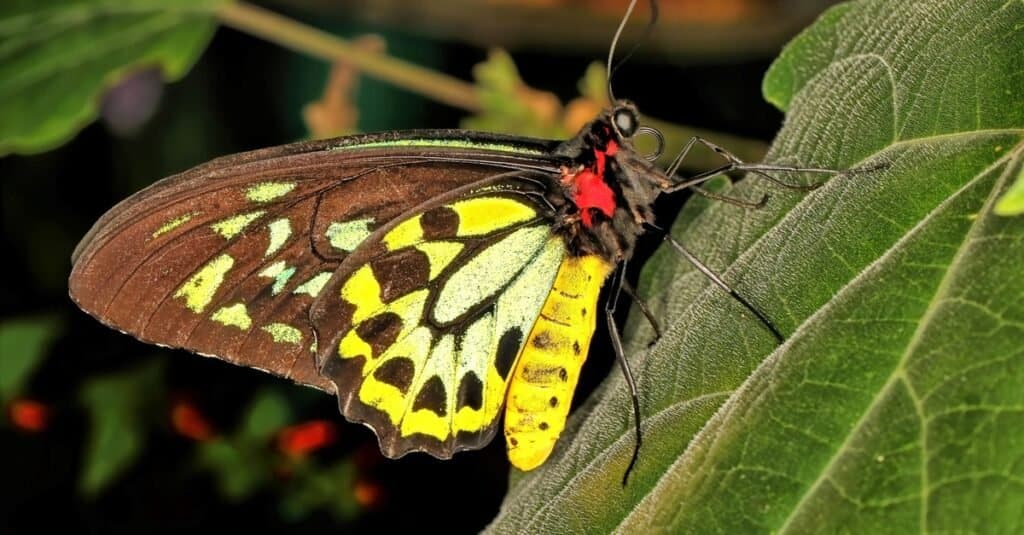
[542, 384]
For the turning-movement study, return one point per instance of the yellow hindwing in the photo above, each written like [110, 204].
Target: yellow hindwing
[542, 384]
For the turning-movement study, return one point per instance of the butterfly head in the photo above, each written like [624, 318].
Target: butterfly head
[610, 186]
[624, 119]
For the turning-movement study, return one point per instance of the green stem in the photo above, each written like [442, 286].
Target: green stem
[309, 40]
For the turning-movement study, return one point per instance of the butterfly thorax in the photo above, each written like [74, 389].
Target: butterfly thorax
[607, 187]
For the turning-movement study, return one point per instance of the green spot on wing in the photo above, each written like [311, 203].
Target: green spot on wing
[198, 291]
[346, 236]
[280, 230]
[281, 273]
[268, 191]
[313, 286]
[234, 225]
[174, 223]
[283, 333]
[234, 315]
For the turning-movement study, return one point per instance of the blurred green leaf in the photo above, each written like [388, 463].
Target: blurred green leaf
[1012, 203]
[117, 405]
[241, 468]
[594, 84]
[893, 405]
[23, 344]
[243, 463]
[509, 105]
[57, 56]
[314, 486]
[268, 413]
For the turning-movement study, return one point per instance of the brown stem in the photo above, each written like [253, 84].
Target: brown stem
[309, 40]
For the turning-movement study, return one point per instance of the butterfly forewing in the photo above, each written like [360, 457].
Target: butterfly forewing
[227, 258]
[421, 325]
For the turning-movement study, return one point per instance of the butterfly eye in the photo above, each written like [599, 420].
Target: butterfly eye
[626, 122]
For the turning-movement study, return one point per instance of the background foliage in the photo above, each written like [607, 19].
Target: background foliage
[891, 407]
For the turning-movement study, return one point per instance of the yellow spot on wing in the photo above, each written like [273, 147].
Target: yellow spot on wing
[313, 286]
[484, 215]
[347, 235]
[198, 290]
[407, 233]
[363, 291]
[386, 397]
[234, 315]
[440, 254]
[280, 230]
[283, 333]
[174, 223]
[232, 226]
[268, 191]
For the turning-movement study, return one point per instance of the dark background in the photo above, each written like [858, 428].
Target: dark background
[243, 94]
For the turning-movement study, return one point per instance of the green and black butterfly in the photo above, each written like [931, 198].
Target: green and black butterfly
[430, 279]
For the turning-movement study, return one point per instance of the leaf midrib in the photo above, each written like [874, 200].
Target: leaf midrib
[899, 371]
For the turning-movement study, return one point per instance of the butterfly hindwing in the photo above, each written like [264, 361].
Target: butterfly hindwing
[227, 258]
[421, 327]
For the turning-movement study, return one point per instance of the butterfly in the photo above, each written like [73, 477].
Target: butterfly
[433, 280]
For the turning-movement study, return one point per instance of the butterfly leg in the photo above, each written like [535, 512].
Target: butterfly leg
[631, 292]
[735, 164]
[724, 286]
[620, 356]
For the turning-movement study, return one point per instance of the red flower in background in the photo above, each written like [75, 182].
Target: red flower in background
[302, 439]
[29, 415]
[188, 421]
[368, 494]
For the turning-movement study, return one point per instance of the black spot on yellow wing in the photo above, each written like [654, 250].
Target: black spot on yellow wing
[438, 223]
[432, 397]
[471, 392]
[553, 401]
[380, 331]
[541, 341]
[397, 372]
[543, 374]
[401, 273]
[508, 349]
[576, 347]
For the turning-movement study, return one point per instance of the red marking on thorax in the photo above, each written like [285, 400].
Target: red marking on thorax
[591, 189]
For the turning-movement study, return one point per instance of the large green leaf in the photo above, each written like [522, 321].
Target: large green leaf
[897, 401]
[57, 56]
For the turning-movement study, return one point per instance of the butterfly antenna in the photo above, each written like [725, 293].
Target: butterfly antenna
[612, 66]
[620, 356]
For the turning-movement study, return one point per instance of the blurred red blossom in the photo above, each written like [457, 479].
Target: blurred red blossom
[189, 421]
[302, 439]
[29, 415]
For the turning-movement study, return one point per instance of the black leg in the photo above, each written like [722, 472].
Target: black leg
[628, 289]
[620, 356]
[735, 164]
[731, 200]
[723, 285]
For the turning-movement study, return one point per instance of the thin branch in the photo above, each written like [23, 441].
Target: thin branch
[314, 42]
